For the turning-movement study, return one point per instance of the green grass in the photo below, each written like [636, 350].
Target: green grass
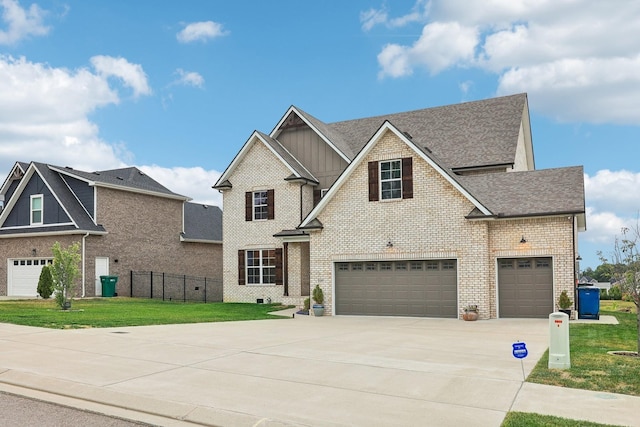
[592, 368]
[114, 312]
[520, 419]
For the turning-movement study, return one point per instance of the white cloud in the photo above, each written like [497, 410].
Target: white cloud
[440, 46]
[44, 109]
[21, 23]
[614, 190]
[44, 116]
[189, 78]
[373, 17]
[132, 75]
[193, 182]
[201, 31]
[576, 58]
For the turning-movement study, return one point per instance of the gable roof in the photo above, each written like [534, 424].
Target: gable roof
[478, 133]
[126, 179]
[424, 154]
[81, 221]
[298, 171]
[202, 223]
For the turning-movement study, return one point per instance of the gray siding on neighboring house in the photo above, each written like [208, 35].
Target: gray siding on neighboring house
[20, 214]
[83, 191]
[310, 150]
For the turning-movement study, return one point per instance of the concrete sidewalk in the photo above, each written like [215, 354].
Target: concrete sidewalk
[302, 371]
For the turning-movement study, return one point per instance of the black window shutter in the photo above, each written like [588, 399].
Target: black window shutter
[248, 206]
[241, 278]
[407, 178]
[270, 205]
[373, 181]
[278, 266]
[317, 195]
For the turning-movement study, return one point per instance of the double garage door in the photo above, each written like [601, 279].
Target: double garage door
[525, 287]
[397, 288]
[23, 275]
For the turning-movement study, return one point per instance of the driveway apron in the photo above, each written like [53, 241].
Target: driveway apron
[303, 371]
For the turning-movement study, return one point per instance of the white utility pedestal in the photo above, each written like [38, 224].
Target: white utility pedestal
[559, 357]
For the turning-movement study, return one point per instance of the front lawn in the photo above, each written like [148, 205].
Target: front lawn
[114, 312]
[519, 419]
[592, 368]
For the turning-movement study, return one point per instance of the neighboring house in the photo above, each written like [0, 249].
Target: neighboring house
[409, 214]
[123, 219]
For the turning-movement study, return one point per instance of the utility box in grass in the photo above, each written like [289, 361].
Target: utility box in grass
[559, 353]
[109, 285]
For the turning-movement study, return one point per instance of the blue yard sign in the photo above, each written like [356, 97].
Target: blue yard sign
[520, 350]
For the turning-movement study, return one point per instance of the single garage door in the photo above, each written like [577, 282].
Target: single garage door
[397, 288]
[23, 276]
[525, 287]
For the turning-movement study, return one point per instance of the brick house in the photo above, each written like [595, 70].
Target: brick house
[123, 219]
[409, 214]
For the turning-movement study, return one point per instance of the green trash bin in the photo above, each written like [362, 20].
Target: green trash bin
[109, 285]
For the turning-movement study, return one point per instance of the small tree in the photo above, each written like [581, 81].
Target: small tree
[45, 283]
[626, 256]
[564, 301]
[65, 271]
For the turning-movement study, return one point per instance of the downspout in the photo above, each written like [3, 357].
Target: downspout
[575, 273]
[84, 261]
[302, 185]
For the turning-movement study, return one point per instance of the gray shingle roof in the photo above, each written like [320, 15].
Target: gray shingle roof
[202, 222]
[478, 133]
[540, 192]
[132, 178]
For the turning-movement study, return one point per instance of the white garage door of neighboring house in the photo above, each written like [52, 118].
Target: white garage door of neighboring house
[23, 275]
[525, 287]
[397, 288]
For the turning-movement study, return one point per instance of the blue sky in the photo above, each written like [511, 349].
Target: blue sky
[176, 88]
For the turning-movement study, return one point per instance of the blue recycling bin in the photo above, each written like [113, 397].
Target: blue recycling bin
[588, 302]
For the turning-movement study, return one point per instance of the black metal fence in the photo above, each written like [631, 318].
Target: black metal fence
[175, 287]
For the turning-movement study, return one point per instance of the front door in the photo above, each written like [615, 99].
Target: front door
[102, 269]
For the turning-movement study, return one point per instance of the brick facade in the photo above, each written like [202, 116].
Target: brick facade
[260, 169]
[143, 233]
[431, 225]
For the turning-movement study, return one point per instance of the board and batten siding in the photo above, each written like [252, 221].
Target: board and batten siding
[318, 157]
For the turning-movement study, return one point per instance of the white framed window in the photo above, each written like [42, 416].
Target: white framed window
[37, 211]
[260, 205]
[323, 192]
[391, 180]
[261, 267]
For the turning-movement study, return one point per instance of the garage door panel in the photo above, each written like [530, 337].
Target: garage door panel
[401, 288]
[525, 287]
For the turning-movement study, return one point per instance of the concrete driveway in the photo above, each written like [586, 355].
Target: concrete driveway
[330, 371]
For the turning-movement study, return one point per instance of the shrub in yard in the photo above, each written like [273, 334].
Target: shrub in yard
[307, 304]
[45, 283]
[615, 293]
[603, 294]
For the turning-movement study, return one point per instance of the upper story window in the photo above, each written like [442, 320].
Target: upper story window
[391, 180]
[259, 205]
[37, 209]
